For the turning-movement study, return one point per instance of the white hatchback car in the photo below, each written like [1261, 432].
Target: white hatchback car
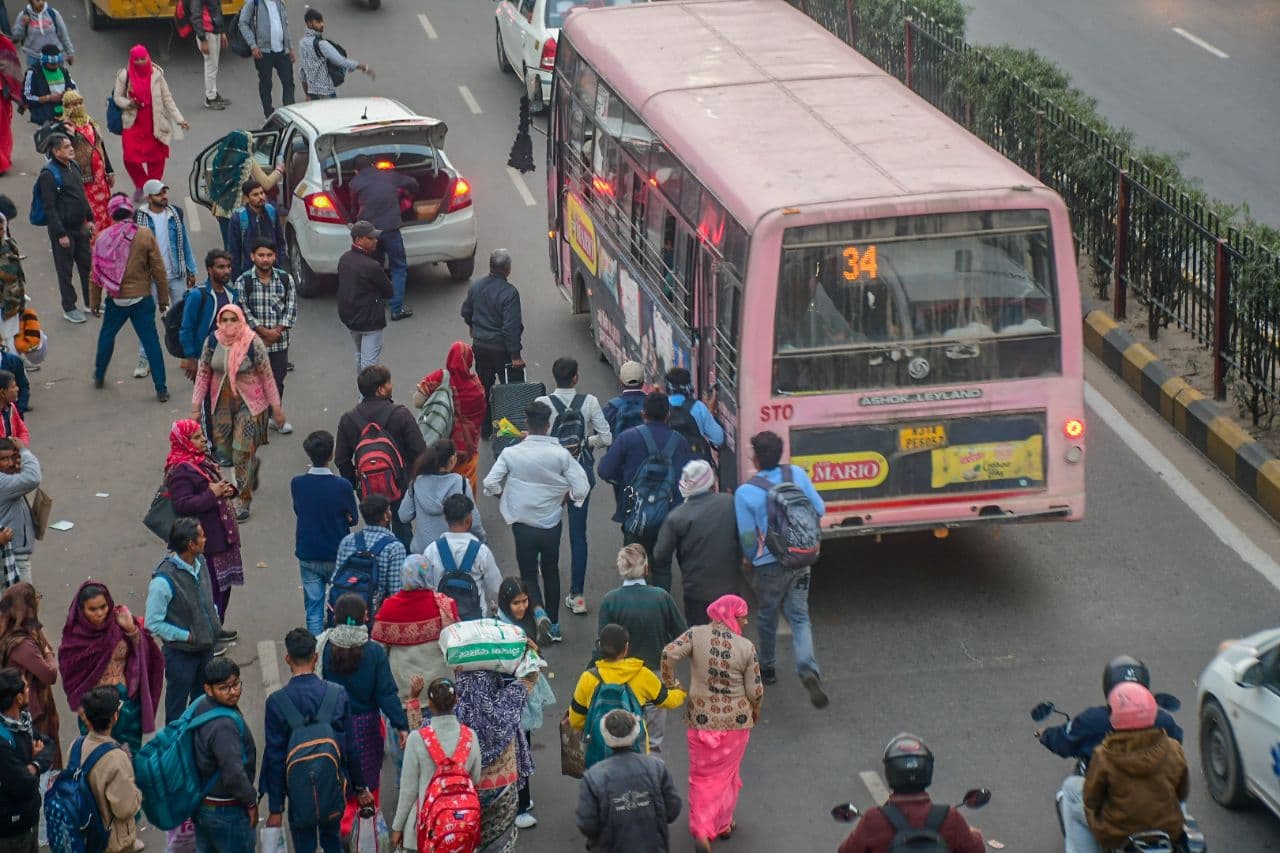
[1239, 704]
[526, 33]
[317, 142]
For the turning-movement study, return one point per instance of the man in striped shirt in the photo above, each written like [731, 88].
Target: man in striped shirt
[389, 558]
[316, 54]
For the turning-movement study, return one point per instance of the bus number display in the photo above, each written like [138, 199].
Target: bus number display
[859, 264]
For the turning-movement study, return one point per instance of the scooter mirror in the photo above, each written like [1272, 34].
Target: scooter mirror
[845, 813]
[1043, 710]
[1168, 702]
[977, 798]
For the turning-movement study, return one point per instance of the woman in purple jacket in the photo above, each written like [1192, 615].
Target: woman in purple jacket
[197, 489]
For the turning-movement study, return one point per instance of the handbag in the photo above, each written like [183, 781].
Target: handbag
[162, 514]
[235, 39]
[573, 759]
[41, 507]
[115, 116]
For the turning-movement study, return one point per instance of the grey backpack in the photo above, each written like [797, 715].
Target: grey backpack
[435, 421]
[794, 534]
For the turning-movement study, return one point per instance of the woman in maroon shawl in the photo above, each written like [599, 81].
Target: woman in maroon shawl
[468, 406]
[104, 645]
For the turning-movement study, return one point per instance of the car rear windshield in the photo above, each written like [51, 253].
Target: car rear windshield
[399, 148]
[558, 9]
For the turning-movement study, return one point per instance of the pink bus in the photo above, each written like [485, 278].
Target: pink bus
[733, 190]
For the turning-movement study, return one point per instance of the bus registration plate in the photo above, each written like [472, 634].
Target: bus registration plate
[915, 438]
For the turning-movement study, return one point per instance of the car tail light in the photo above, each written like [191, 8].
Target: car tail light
[461, 195]
[548, 62]
[1073, 428]
[384, 165]
[322, 208]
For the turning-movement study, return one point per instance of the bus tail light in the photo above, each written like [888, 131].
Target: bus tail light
[460, 197]
[548, 61]
[1073, 428]
[322, 208]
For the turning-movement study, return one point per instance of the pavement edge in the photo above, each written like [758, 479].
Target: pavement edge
[1195, 417]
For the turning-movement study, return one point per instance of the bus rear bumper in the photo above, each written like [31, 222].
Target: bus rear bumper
[977, 511]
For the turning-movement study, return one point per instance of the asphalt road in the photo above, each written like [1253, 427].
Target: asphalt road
[1185, 77]
[952, 639]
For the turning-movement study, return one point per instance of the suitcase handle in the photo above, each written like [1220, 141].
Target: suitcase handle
[506, 373]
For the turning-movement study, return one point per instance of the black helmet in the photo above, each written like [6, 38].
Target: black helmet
[908, 764]
[1124, 668]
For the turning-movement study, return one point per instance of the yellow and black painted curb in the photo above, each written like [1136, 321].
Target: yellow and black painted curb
[1194, 416]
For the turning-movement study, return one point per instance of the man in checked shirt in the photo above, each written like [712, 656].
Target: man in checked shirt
[271, 308]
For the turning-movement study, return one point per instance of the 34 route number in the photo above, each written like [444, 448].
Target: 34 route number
[859, 265]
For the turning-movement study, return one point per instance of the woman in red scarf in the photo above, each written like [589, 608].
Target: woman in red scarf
[104, 645]
[468, 406]
[11, 70]
[24, 645]
[149, 116]
[197, 489]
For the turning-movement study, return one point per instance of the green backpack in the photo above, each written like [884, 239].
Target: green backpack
[609, 697]
[165, 768]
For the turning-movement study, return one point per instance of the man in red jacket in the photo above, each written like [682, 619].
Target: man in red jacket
[908, 768]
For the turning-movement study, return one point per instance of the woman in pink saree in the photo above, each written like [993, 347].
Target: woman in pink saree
[725, 694]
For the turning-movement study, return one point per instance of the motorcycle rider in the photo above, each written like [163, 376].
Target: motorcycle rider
[908, 770]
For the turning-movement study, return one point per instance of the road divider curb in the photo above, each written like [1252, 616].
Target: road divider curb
[1197, 418]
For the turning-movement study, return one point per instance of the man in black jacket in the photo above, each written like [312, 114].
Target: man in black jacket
[377, 196]
[226, 757]
[363, 291]
[22, 760]
[492, 312]
[70, 222]
[703, 534]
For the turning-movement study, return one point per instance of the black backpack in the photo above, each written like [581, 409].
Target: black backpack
[173, 322]
[682, 421]
[457, 582]
[571, 425]
[917, 839]
[337, 74]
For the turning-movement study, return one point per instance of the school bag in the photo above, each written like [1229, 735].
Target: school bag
[70, 809]
[314, 783]
[449, 817]
[917, 839]
[111, 255]
[337, 74]
[379, 465]
[609, 697]
[38, 215]
[652, 490]
[165, 768]
[681, 420]
[435, 421]
[242, 222]
[794, 532]
[173, 321]
[628, 412]
[457, 582]
[358, 574]
[571, 425]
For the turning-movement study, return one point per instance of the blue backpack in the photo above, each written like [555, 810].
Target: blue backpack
[314, 783]
[70, 809]
[625, 412]
[358, 574]
[457, 582]
[166, 772]
[609, 697]
[242, 220]
[652, 490]
[38, 215]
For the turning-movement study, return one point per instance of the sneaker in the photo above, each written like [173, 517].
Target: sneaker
[226, 102]
[768, 676]
[283, 430]
[162, 396]
[75, 315]
[544, 627]
[99, 382]
[219, 650]
[813, 684]
[555, 633]
[524, 820]
[576, 603]
[214, 104]
[242, 514]
[402, 314]
[142, 369]
[228, 636]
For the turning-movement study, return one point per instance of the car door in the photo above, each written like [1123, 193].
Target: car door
[264, 146]
[1257, 725]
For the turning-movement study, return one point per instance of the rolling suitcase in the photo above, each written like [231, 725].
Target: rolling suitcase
[508, 400]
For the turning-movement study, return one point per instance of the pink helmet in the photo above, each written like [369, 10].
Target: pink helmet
[1132, 707]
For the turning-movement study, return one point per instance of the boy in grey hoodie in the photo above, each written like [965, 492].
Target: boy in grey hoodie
[39, 24]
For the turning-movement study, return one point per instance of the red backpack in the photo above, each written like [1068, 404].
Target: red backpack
[449, 818]
[378, 462]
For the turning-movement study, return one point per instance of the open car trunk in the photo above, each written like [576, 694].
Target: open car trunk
[408, 149]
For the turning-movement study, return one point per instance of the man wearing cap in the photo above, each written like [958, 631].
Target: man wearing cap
[702, 533]
[377, 196]
[166, 222]
[625, 410]
[363, 291]
[143, 268]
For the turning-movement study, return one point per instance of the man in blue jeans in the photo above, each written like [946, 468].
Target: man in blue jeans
[777, 587]
[325, 506]
[377, 196]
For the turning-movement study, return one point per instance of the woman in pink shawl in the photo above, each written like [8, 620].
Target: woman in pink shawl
[104, 645]
[725, 694]
[149, 114]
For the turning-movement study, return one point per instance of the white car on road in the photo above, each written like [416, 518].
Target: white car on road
[317, 142]
[526, 33]
[1239, 705]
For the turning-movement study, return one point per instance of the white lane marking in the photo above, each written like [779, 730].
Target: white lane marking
[470, 99]
[270, 665]
[426, 25]
[879, 792]
[193, 214]
[521, 187]
[1199, 42]
[1222, 527]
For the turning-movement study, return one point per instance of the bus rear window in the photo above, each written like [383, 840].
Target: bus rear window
[915, 300]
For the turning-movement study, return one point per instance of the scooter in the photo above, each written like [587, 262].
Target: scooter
[974, 798]
[1148, 841]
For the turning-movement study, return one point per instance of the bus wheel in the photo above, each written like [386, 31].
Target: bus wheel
[98, 20]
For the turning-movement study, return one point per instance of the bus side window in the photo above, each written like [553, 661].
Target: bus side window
[728, 323]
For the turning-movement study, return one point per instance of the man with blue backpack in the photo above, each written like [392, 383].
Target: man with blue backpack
[256, 220]
[22, 759]
[624, 412]
[460, 565]
[371, 559]
[310, 752]
[779, 517]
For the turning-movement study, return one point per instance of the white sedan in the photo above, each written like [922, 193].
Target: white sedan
[1239, 704]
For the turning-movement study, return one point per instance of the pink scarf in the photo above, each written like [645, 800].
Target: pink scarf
[728, 609]
[237, 343]
[140, 76]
